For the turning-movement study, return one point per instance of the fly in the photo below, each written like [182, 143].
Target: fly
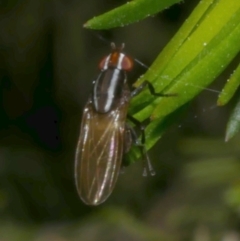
[105, 135]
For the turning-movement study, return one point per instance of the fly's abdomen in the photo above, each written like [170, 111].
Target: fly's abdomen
[99, 154]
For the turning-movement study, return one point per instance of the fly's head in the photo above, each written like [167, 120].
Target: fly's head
[117, 59]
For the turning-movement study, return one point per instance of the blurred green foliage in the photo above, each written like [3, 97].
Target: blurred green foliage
[47, 64]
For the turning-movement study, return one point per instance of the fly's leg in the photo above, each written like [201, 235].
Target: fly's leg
[128, 138]
[146, 83]
[146, 160]
[127, 143]
[147, 166]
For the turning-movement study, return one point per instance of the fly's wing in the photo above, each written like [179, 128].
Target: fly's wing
[99, 153]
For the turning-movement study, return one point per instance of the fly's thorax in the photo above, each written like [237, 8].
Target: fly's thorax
[108, 89]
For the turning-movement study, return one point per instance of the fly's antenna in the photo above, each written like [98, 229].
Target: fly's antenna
[106, 41]
[113, 46]
[122, 46]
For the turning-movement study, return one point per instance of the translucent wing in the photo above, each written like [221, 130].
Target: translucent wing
[99, 152]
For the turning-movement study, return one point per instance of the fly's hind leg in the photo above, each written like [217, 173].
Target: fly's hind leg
[127, 143]
[147, 166]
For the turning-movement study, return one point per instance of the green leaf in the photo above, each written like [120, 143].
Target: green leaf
[128, 13]
[233, 125]
[174, 45]
[230, 88]
[200, 51]
[232, 195]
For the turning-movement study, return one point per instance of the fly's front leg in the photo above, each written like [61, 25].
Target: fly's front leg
[147, 166]
[146, 83]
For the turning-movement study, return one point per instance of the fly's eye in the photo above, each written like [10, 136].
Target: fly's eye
[127, 63]
[102, 63]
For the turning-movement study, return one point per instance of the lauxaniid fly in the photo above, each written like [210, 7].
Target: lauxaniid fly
[104, 131]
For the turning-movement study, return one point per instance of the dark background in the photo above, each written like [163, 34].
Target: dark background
[47, 64]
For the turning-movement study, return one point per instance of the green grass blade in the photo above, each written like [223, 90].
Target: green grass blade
[233, 125]
[157, 73]
[128, 13]
[173, 46]
[197, 62]
[200, 54]
[170, 104]
[230, 88]
[204, 68]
